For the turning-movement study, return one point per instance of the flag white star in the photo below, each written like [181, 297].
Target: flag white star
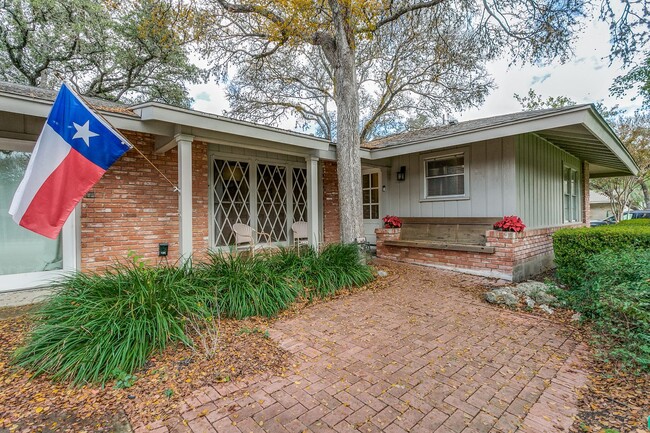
[84, 132]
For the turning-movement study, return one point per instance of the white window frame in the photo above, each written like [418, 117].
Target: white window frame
[71, 242]
[444, 155]
[575, 209]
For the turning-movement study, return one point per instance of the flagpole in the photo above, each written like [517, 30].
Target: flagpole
[127, 142]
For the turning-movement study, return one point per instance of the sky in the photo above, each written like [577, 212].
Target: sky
[585, 78]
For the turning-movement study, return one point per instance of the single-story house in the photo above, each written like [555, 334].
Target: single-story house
[448, 183]
[600, 206]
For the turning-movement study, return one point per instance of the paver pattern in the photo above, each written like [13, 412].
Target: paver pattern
[423, 355]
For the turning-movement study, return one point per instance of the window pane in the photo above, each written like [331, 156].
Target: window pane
[374, 195]
[440, 167]
[443, 186]
[21, 250]
[366, 196]
[375, 211]
[231, 199]
[366, 181]
[374, 180]
[366, 211]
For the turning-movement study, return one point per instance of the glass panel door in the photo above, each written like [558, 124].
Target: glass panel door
[21, 251]
[272, 201]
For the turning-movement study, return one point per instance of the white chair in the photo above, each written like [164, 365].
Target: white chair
[300, 231]
[248, 238]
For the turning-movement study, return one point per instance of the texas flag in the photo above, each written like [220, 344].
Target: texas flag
[74, 150]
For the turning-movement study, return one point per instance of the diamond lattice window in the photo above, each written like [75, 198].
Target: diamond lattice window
[299, 194]
[272, 201]
[231, 191]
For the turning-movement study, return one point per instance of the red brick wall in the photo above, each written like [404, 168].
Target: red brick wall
[134, 208]
[200, 186]
[331, 218]
[517, 256]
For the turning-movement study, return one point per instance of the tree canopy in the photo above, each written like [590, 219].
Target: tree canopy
[130, 50]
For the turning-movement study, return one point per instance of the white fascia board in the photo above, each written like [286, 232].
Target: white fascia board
[194, 119]
[41, 108]
[522, 127]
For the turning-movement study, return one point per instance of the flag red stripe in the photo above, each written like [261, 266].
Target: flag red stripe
[60, 193]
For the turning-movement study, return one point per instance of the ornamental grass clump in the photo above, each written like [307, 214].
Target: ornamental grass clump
[248, 285]
[98, 325]
[338, 266]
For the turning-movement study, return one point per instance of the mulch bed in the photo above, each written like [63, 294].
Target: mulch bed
[41, 405]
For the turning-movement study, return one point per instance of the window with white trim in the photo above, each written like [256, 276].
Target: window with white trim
[445, 176]
[570, 194]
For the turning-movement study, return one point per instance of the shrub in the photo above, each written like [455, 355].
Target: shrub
[98, 325]
[635, 222]
[336, 267]
[615, 296]
[249, 285]
[574, 246]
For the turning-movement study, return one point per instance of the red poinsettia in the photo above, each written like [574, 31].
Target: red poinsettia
[510, 224]
[392, 222]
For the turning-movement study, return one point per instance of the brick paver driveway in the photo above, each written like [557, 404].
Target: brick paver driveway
[423, 355]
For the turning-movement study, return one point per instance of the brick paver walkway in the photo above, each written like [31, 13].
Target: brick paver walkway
[421, 356]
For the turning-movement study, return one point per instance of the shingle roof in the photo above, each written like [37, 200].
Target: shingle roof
[460, 128]
[49, 95]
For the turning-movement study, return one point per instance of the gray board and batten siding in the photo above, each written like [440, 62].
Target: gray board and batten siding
[492, 186]
[539, 169]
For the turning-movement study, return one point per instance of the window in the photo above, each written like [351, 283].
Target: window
[370, 188]
[570, 195]
[445, 176]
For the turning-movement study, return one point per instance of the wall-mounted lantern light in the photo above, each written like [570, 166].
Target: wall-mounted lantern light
[401, 174]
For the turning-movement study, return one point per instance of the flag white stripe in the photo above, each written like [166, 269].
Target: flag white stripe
[45, 159]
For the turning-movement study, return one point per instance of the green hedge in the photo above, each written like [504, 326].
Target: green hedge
[635, 222]
[574, 247]
[615, 297]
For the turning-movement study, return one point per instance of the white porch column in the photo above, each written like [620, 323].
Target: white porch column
[312, 200]
[185, 196]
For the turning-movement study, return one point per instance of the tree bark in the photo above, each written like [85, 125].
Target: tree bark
[341, 57]
[646, 193]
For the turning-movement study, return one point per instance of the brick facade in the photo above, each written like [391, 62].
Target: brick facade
[331, 216]
[132, 208]
[517, 256]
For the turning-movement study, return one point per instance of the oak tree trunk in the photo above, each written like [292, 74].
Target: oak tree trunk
[646, 193]
[341, 57]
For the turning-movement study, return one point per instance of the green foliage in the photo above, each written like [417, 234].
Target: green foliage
[129, 50]
[635, 222]
[246, 286]
[97, 325]
[574, 247]
[615, 296]
[123, 379]
[336, 267]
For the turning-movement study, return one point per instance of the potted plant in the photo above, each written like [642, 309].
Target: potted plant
[392, 222]
[510, 224]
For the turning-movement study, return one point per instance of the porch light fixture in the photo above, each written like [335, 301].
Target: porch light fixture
[401, 174]
[233, 172]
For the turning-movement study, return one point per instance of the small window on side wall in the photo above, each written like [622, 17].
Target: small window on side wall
[445, 176]
[570, 196]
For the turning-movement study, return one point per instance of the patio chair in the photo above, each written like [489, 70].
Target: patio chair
[247, 237]
[300, 231]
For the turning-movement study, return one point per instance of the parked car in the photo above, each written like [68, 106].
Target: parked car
[630, 215]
